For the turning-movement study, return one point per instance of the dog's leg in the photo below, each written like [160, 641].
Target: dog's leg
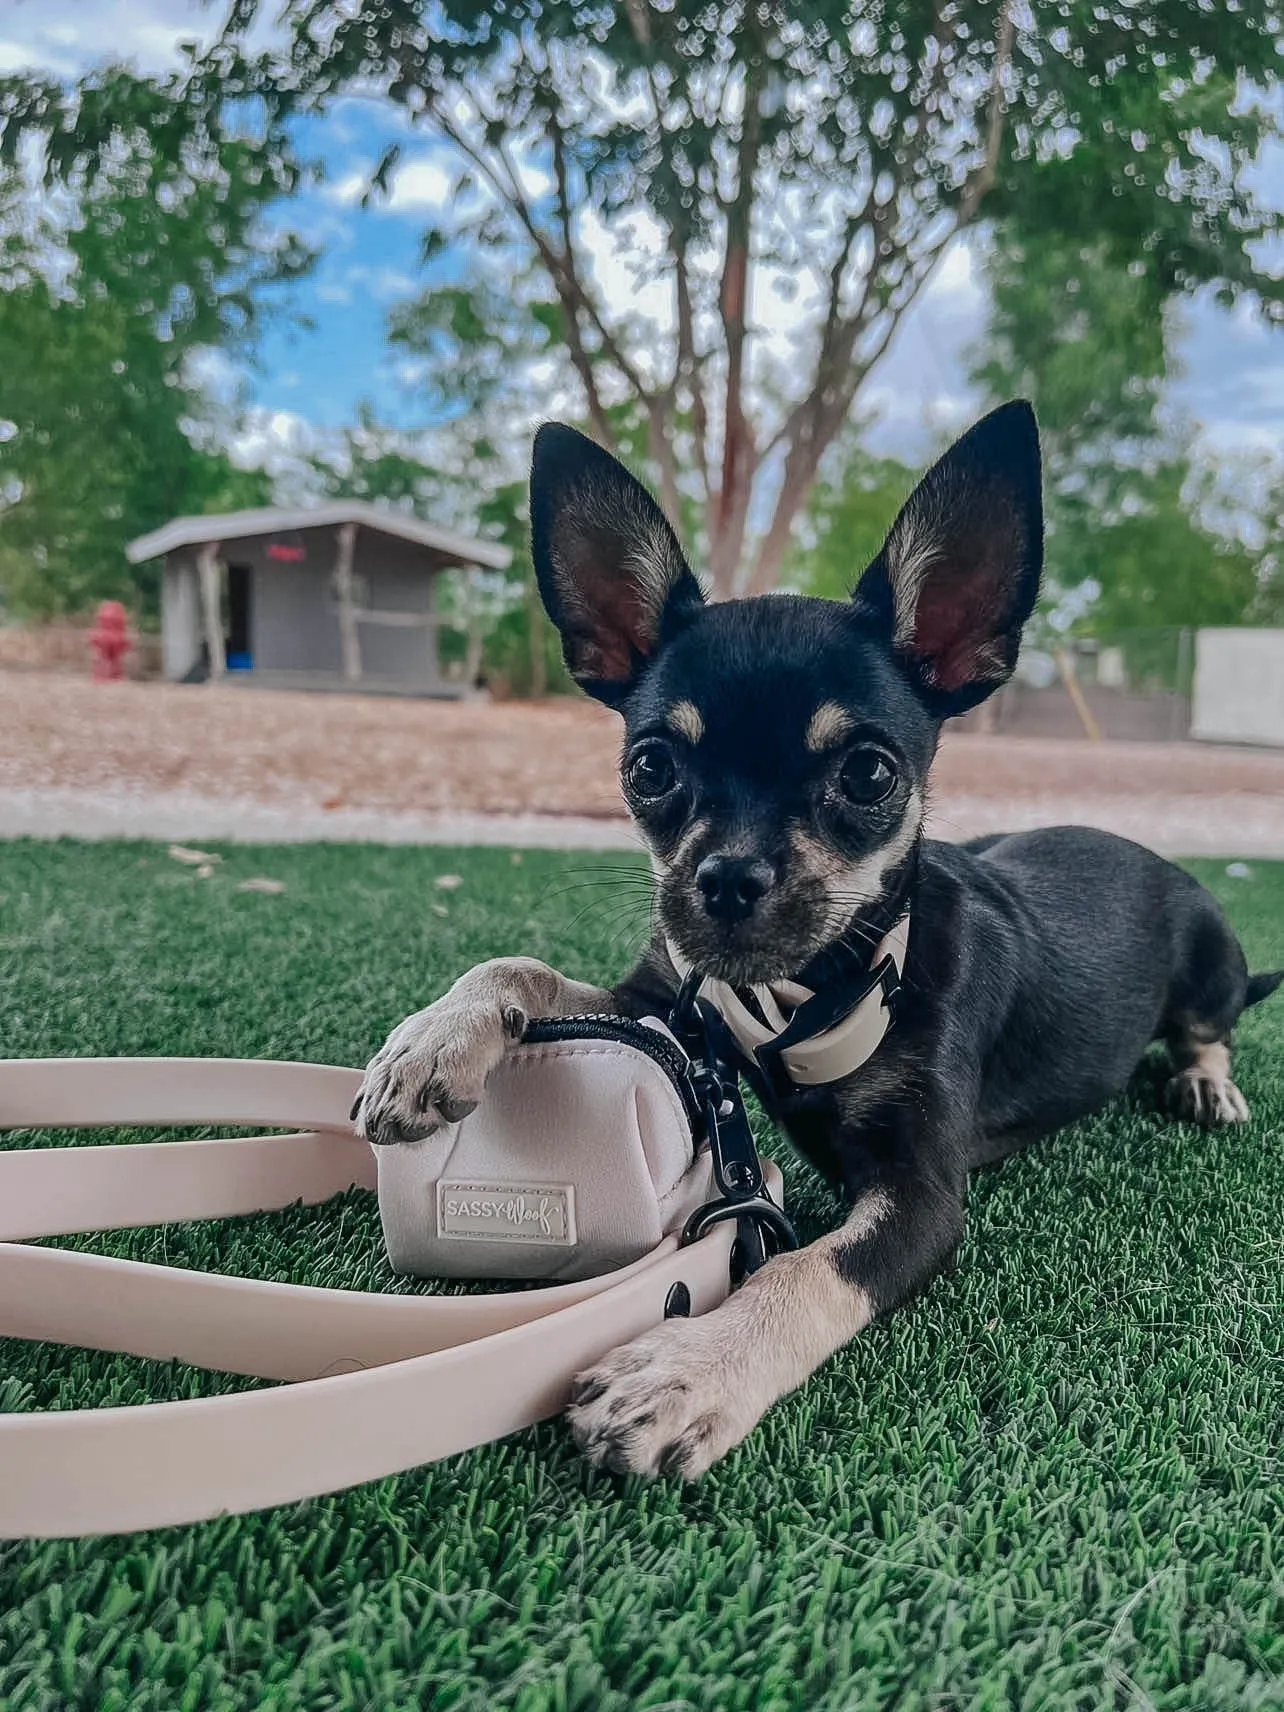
[683, 1394]
[432, 1068]
[1207, 996]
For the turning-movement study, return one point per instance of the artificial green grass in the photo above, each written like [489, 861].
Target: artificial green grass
[1056, 1481]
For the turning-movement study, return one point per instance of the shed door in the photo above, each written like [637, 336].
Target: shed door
[240, 583]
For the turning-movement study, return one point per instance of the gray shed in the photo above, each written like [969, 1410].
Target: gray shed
[336, 596]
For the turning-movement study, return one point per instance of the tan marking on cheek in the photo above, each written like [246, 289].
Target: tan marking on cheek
[685, 718]
[698, 830]
[827, 726]
[665, 869]
[848, 885]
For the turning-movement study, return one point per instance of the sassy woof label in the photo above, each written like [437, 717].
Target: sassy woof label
[507, 1212]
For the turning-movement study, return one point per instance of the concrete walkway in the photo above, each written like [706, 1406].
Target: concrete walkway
[64, 812]
[1230, 824]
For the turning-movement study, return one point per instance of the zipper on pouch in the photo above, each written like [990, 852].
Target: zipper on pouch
[649, 1041]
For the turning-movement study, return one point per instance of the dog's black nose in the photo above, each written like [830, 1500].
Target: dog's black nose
[732, 886]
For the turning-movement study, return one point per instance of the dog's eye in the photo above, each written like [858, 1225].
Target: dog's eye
[649, 775]
[866, 776]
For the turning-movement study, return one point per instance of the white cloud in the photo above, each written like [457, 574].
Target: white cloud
[427, 182]
[320, 227]
[346, 192]
[409, 371]
[533, 179]
[282, 443]
[418, 185]
[381, 283]
[18, 56]
[1232, 378]
[214, 373]
[67, 36]
[616, 258]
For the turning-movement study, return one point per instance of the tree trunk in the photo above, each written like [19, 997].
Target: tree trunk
[800, 471]
[727, 543]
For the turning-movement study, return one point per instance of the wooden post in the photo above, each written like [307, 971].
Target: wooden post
[210, 572]
[1079, 701]
[432, 649]
[1184, 686]
[349, 636]
[987, 717]
[474, 641]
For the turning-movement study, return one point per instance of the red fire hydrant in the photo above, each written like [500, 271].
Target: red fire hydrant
[110, 641]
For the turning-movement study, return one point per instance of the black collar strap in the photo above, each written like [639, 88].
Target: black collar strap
[795, 1035]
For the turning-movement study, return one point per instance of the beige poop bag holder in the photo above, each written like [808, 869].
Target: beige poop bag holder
[599, 1144]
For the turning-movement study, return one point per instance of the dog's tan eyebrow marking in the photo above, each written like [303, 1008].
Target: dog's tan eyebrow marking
[685, 718]
[827, 726]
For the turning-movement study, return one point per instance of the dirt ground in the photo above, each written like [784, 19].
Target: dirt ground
[330, 764]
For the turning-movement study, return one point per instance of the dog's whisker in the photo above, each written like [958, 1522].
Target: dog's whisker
[586, 914]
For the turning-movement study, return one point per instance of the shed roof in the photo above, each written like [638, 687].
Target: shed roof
[275, 520]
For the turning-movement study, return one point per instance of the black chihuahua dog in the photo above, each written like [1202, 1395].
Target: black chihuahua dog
[776, 757]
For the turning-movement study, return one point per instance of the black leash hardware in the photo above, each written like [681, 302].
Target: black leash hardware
[763, 1228]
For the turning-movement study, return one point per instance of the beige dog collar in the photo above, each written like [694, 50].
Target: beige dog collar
[832, 1053]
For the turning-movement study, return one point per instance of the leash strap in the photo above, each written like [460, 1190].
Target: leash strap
[381, 1383]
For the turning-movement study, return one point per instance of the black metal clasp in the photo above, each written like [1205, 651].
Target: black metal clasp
[763, 1228]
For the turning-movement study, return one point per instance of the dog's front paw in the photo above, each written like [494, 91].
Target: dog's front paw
[432, 1069]
[1200, 1095]
[672, 1402]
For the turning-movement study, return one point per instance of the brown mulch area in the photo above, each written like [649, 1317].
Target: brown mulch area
[323, 750]
[555, 757]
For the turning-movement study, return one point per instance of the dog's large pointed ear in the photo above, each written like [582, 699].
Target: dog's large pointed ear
[959, 572]
[610, 571]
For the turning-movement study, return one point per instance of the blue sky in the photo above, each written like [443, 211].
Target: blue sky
[310, 381]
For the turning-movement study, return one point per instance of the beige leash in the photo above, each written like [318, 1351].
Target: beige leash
[381, 1383]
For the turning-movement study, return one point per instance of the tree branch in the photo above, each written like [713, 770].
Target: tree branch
[690, 363]
[739, 454]
[561, 269]
[565, 263]
[580, 357]
[827, 408]
[660, 445]
[995, 113]
[811, 426]
[688, 367]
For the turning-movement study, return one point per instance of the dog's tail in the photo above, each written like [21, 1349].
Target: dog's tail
[1262, 986]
